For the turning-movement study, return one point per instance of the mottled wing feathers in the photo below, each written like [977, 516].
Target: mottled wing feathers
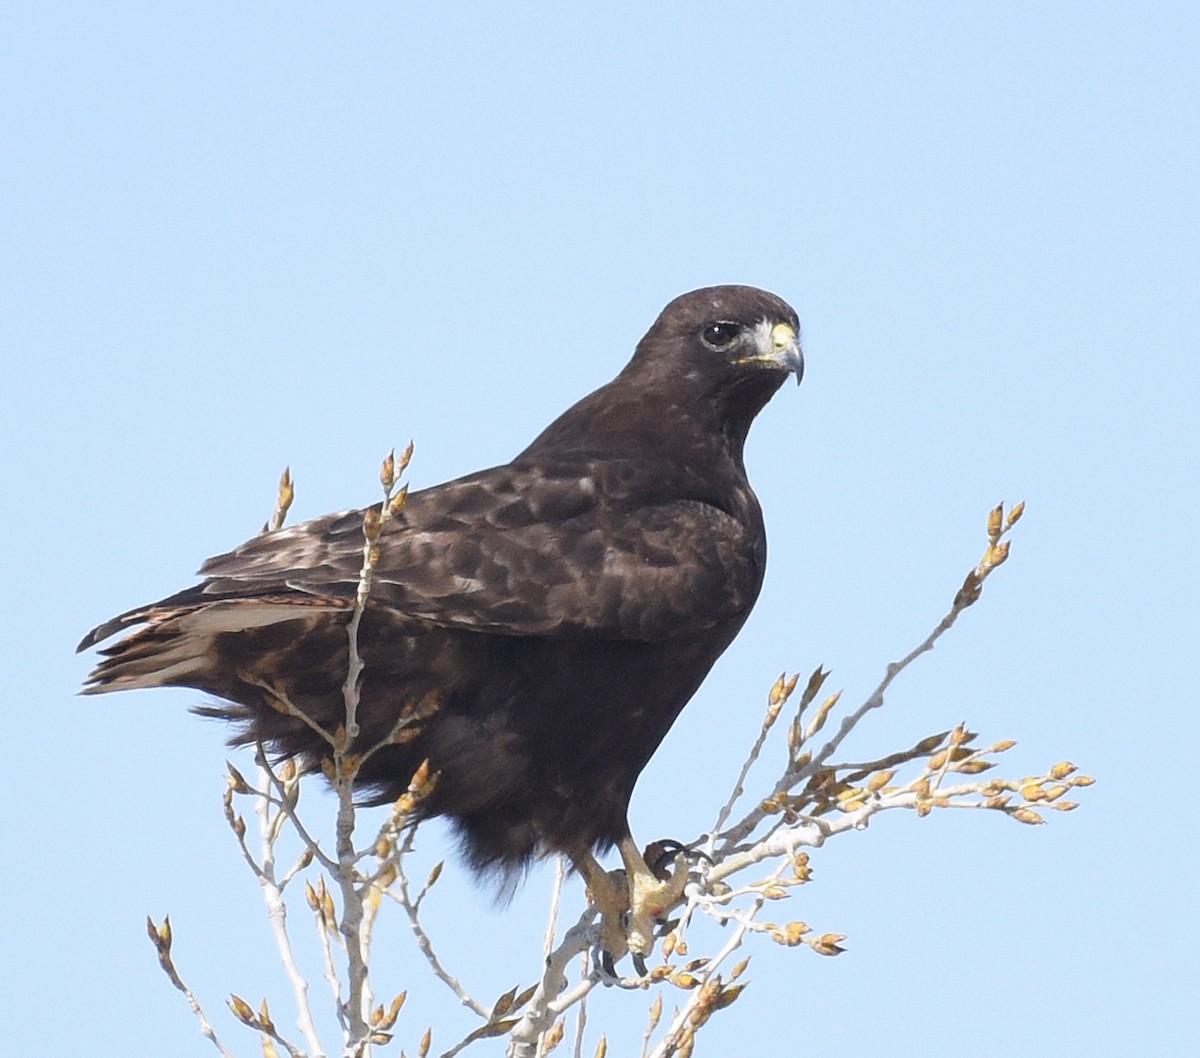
[522, 551]
[516, 550]
[650, 573]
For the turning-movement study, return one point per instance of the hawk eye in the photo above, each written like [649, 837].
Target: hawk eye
[721, 335]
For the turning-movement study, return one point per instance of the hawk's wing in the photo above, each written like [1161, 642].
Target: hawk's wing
[581, 549]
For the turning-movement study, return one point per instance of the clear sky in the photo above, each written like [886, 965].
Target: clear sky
[239, 236]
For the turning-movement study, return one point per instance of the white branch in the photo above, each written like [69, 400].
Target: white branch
[553, 994]
[277, 914]
[811, 802]
[412, 910]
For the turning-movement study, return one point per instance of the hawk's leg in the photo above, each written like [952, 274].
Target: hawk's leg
[610, 894]
[651, 897]
[631, 901]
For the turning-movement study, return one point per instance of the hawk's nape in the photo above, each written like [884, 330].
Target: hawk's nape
[546, 620]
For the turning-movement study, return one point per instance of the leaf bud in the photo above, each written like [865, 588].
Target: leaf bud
[880, 779]
[974, 767]
[398, 1002]
[970, 591]
[405, 458]
[928, 745]
[396, 507]
[728, 995]
[553, 1037]
[656, 1009]
[387, 471]
[800, 867]
[503, 1005]
[778, 695]
[242, 1010]
[828, 944]
[818, 721]
[794, 932]
[960, 736]
[372, 523]
[994, 522]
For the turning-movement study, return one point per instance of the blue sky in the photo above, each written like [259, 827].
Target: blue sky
[239, 236]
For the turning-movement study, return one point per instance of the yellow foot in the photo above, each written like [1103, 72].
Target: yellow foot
[632, 901]
[653, 894]
[610, 894]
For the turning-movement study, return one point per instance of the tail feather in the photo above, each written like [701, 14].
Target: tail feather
[178, 646]
[111, 627]
[276, 667]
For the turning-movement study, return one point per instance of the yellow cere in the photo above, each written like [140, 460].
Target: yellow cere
[781, 335]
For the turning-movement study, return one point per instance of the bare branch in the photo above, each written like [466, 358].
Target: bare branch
[804, 765]
[424, 944]
[554, 994]
[277, 911]
[161, 937]
[746, 867]
[779, 695]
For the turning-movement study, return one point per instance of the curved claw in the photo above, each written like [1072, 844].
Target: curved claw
[634, 902]
[607, 965]
[650, 895]
[610, 977]
[660, 855]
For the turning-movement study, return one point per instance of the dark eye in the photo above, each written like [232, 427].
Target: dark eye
[721, 335]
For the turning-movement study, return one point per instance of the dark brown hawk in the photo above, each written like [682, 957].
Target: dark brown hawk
[560, 609]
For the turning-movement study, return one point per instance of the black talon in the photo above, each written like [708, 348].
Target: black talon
[661, 854]
[606, 964]
[677, 847]
[639, 964]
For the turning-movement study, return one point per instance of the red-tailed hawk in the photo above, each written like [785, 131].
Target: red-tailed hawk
[559, 610]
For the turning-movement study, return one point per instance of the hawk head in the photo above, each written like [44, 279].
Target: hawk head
[729, 347]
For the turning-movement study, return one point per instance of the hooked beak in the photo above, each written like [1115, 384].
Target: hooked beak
[777, 346]
[786, 351]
